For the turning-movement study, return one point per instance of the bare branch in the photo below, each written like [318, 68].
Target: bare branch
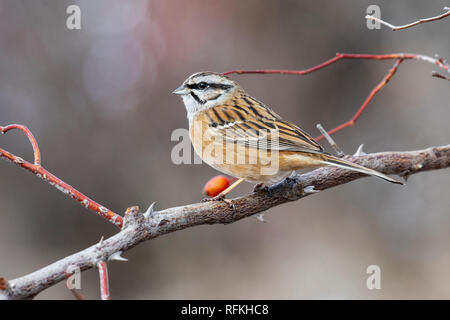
[409, 25]
[346, 56]
[399, 57]
[139, 227]
[366, 102]
[27, 132]
[37, 169]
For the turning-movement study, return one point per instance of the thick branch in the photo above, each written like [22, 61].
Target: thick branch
[139, 227]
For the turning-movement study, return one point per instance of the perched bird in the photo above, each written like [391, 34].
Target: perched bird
[240, 136]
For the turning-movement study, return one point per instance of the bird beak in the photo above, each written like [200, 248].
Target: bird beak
[181, 90]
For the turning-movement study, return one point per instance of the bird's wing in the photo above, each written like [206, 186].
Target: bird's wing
[248, 122]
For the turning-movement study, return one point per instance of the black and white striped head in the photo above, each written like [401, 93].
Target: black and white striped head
[204, 90]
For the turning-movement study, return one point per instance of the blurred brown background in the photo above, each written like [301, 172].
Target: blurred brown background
[99, 102]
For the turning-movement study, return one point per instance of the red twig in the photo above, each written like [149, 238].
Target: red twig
[440, 76]
[340, 56]
[374, 91]
[37, 153]
[415, 23]
[76, 294]
[42, 173]
[104, 283]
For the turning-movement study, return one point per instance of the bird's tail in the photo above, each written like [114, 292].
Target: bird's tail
[337, 162]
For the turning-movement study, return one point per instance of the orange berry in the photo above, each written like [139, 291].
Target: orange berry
[216, 185]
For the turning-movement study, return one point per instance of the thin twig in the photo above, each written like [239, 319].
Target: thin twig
[399, 57]
[104, 282]
[37, 169]
[415, 23]
[440, 76]
[342, 56]
[34, 144]
[139, 227]
[369, 98]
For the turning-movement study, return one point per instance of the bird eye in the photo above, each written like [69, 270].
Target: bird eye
[202, 85]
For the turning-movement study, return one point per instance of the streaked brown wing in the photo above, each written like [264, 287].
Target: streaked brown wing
[247, 121]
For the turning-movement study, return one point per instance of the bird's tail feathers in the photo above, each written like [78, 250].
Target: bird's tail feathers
[333, 161]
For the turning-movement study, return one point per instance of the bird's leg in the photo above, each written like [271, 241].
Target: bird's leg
[227, 190]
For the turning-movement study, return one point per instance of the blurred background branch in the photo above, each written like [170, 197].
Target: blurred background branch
[412, 24]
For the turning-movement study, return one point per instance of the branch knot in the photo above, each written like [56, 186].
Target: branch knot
[133, 217]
